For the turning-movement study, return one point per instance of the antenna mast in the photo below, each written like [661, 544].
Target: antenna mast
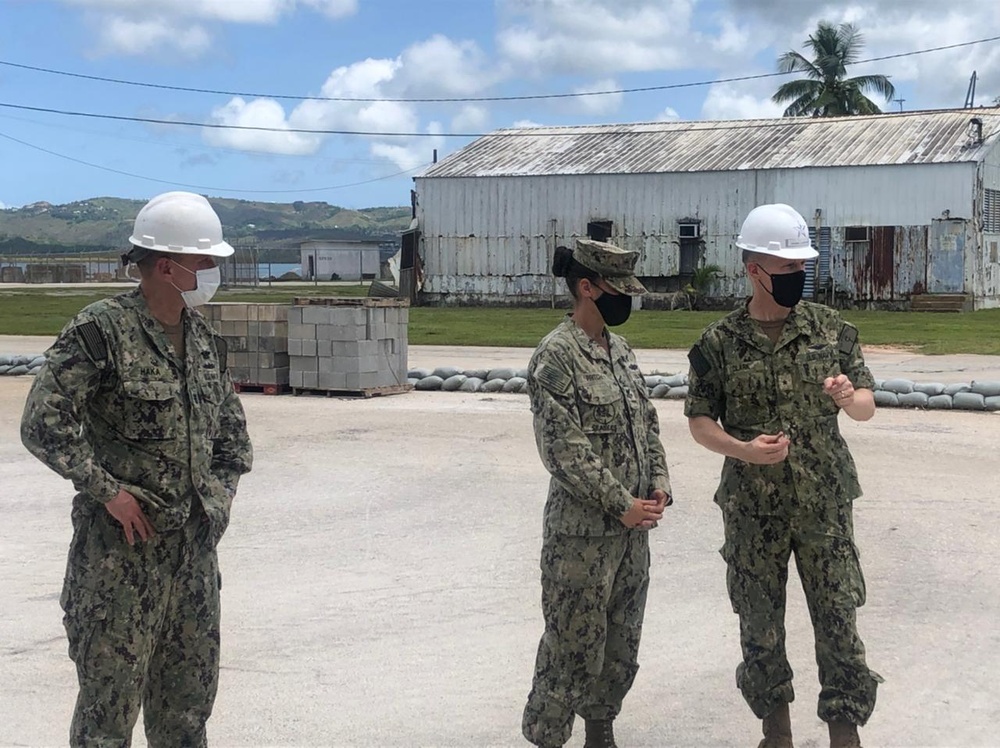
[970, 96]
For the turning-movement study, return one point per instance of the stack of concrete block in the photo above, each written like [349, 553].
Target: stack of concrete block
[349, 345]
[257, 338]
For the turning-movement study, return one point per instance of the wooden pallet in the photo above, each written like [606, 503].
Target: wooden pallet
[360, 301]
[266, 389]
[395, 389]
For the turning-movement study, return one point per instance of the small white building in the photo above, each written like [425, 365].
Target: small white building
[903, 207]
[349, 260]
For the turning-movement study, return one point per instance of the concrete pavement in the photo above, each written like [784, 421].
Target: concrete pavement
[380, 583]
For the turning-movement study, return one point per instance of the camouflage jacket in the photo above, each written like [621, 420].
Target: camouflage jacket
[113, 407]
[754, 387]
[597, 433]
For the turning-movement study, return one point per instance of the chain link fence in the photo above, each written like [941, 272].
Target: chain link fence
[241, 269]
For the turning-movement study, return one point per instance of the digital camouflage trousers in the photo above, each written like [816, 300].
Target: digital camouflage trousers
[143, 629]
[757, 551]
[593, 600]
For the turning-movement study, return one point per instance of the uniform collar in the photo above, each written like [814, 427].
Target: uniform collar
[591, 348]
[137, 301]
[744, 326]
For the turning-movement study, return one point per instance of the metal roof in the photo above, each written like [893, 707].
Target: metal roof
[933, 137]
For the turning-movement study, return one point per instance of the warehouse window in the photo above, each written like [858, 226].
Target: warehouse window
[689, 228]
[858, 242]
[991, 211]
[600, 231]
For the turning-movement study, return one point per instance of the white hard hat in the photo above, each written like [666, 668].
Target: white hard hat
[182, 223]
[777, 230]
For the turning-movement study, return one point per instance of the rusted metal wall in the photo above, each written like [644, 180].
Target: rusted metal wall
[890, 266]
[910, 259]
[490, 239]
[878, 279]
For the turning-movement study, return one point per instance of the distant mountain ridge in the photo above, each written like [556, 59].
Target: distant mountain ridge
[105, 223]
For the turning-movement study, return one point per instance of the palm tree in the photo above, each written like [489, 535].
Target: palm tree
[826, 91]
[702, 280]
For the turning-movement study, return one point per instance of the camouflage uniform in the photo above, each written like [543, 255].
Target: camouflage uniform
[114, 407]
[598, 435]
[801, 506]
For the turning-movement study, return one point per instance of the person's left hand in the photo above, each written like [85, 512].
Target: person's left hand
[663, 500]
[661, 497]
[840, 389]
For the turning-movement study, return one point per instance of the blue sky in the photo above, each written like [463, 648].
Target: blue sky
[393, 49]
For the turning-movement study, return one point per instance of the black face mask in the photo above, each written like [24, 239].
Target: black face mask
[786, 288]
[614, 308]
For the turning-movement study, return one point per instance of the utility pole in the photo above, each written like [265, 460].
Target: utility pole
[900, 102]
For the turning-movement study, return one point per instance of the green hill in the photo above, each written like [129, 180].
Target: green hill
[103, 223]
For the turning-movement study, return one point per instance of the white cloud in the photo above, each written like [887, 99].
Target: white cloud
[371, 78]
[3, 205]
[598, 104]
[335, 8]
[441, 67]
[595, 36]
[259, 113]
[407, 157]
[730, 101]
[668, 115]
[152, 27]
[157, 37]
[471, 118]
[733, 39]
[230, 11]
[526, 123]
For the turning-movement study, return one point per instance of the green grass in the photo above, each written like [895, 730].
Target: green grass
[930, 333]
[44, 312]
[525, 327]
[27, 311]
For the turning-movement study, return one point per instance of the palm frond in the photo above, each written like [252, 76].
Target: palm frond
[851, 42]
[793, 62]
[803, 106]
[795, 89]
[880, 84]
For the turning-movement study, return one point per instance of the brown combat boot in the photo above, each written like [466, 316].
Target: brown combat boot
[844, 734]
[777, 728]
[600, 734]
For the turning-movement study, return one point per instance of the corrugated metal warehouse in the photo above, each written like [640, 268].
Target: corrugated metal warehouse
[906, 206]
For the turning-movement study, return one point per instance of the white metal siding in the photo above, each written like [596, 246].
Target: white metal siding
[986, 268]
[348, 264]
[491, 237]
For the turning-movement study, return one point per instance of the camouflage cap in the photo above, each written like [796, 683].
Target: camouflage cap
[614, 264]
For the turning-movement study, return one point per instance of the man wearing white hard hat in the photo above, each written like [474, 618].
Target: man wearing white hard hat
[134, 405]
[767, 384]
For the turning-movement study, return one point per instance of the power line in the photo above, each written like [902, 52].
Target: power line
[199, 186]
[464, 99]
[220, 126]
[177, 144]
[553, 131]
